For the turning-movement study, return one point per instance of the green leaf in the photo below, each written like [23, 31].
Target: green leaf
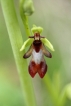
[26, 43]
[48, 44]
[68, 91]
[16, 42]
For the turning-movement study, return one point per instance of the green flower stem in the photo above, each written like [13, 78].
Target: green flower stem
[66, 93]
[24, 18]
[62, 98]
[51, 90]
[58, 99]
[16, 43]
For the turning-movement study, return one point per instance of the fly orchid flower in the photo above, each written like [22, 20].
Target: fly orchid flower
[37, 50]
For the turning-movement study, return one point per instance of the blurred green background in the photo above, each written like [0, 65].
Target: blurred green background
[55, 17]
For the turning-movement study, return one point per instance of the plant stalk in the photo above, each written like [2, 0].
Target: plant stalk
[16, 43]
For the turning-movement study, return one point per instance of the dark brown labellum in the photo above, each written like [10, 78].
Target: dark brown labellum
[37, 63]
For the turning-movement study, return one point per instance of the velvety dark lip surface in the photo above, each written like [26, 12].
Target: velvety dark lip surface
[37, 44]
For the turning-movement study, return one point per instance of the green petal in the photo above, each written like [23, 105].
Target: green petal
[48, 44]
[26, 43]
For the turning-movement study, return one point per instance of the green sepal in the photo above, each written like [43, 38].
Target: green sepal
[26, 43]
[36, 29]
[48, 44]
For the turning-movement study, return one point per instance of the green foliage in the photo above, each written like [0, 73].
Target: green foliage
[16, 42]
[10, 93]
[68, 91]
[54, 88]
